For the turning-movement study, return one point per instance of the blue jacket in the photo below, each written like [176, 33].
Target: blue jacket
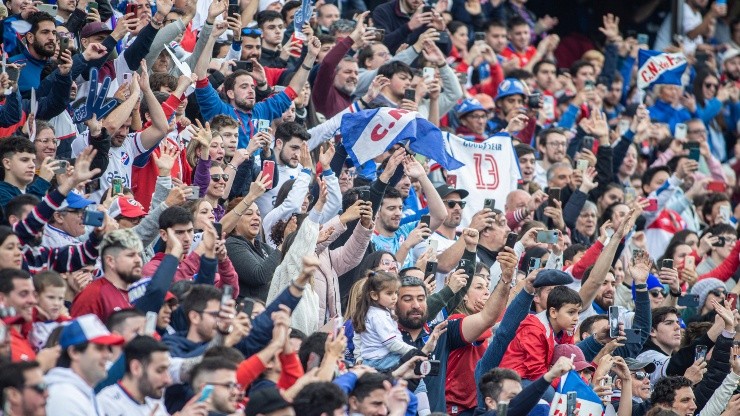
[31, 72]
[663, 112]
[211, 105]
[37, 188]
[11, 112]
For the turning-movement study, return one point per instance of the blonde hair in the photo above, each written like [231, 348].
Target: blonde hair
[125, 239]
[353, 299]
[191, 154]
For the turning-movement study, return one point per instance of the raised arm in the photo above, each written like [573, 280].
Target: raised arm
[151, 135]
[437, 209]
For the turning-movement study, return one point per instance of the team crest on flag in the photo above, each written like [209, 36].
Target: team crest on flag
[660, 68]
[588, 403]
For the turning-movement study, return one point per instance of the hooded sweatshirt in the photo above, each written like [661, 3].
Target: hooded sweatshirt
[70, 392]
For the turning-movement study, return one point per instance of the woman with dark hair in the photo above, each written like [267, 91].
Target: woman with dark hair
[710, 97]
[377, 260]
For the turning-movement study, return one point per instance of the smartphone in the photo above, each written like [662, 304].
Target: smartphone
[700, 352]
[548, 105]
[14, 74]
[127, 77]
[428, 74]
[431, 268]
[725, 213]
[131, 8]
[428, 368]
[427, 9]
[688, 300]
[667, 263]
[582, 165]
[247, 306]
[732, 298]
[570, 404]
[227, 295]
[63, 164]
[643, 39]
[589, 85]
[613, 321]
[480, 36]
[195, 194]
[623, 127]
[652, 205]
[548, 236]
[681, 131]
[93, 218]
[410, 94]
[502, 409]
[466, 265]
[534, 264]
[588, 143]
[219, 228]
[533, 100]
[434, 244]
[48, 8]
[425, 219]
[552, 195]
[633, 335]
[452, 180]
[244, 65]
[694, 154]
[720, 242]
[379, 34]
[263, 125]
[63, 44]
[364, 195]
[92, 5]
[489, 203]
[205, 393]
[717, 186]
[268, 170]
[92, 186]
[234, 8]
[511, 240]
[117, 185]
[151, 323]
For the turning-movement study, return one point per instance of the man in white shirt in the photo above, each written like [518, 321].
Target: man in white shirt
[142, 387]
[694, 26]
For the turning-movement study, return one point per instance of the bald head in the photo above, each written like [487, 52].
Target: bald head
[516, 200]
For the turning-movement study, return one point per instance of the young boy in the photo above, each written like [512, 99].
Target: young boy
[530, 352]
[50, 311]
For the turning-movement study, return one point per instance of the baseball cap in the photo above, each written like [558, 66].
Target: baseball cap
[510, 86]
[126, 207]
[264, 401]
[87, 328]
[93, 28]
[731, 53]
[444, 190]
[468, 106]
[552, 277]
[635, 365]
[75, 201]
[568, 350]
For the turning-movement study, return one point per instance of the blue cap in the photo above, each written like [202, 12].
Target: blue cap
[510, 86]
[87, 328]
[75, 201]
[468, 106]
[652, 283]
[552, 277]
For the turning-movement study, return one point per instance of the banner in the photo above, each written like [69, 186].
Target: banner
[302, 16]
[659, 68]
[588, 403]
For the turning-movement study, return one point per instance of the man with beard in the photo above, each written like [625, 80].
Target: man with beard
[552, 145]
[239, 88]
[612, 106]
[141, 389]
[24, 390]
[731, 66]
[337, 76]
[411, 310]
[40, 45]
[120, 254]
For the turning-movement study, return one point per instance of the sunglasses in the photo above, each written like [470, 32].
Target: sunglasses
[39, 388]
[710, 85]
[640, 375]
[656, 293]
[217, 177]
[718, 292]
[251, 32]
[451, 204]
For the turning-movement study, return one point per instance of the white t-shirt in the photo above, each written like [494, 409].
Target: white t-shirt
[380, 330]
[267, 201]
[120, 163]
[115, 401]
[491, 170]
[691, 20]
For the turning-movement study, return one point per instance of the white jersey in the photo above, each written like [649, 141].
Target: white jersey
[120, 163]
[491, 170]
[115, 401]
[267, 201]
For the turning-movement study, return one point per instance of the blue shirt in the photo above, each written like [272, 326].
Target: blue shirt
[393, 243]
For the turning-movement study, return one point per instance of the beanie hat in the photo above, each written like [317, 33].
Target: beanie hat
[704, 286]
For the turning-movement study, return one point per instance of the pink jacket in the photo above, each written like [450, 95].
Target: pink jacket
[189, 266]
[334, 263]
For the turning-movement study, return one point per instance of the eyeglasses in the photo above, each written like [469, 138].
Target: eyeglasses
[48, 141]
[656, 293]
[212, 313]
[718, 292]
[72, 211]
[478, 116]
[230, 385]
[703, 132]
[640, 375]
[251, 32]
[711, 85]
[451, 203]
[39, 388]
[557, 144]
[391, 263]
[217, 177]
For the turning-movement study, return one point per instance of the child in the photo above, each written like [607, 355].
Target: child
[381, 343]
[530, 352]
[50, 311]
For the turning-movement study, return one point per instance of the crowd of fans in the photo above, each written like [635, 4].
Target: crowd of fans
[185, 232]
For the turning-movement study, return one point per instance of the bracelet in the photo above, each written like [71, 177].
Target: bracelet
[231, 165]
[444, 64]
[261, 84]
[306, 67]
[640, 286]
[675, 294]
[364, 104]
[297, 286]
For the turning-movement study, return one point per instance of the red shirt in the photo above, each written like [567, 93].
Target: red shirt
[100, 298]
[461, 370]
[20, 348]
[524, 57]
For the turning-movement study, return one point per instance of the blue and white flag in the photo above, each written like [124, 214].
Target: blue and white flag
[659, 68]
[302, 15]
[369, 133]
[588, 403]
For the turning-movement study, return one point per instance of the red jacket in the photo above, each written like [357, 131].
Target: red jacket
[189, 266]
[530, 352]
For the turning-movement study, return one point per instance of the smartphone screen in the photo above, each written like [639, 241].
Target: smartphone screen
[268, 171]
[425, 219]
[613, 321]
